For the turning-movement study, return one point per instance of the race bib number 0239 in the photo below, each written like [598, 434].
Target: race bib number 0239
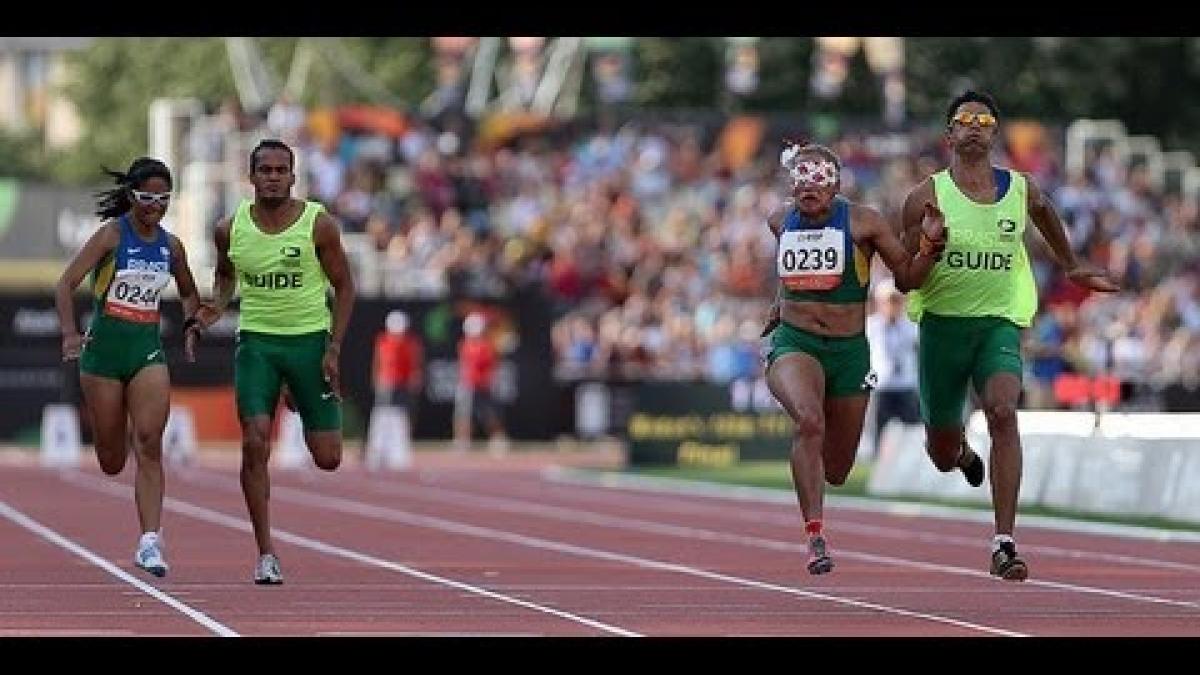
[811, 260]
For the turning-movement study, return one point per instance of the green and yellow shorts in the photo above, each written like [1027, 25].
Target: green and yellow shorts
[264, 362]
[119, 349]
[955, 350]
[846, 361]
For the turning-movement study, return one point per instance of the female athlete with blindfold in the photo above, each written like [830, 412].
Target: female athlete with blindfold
[817, 361]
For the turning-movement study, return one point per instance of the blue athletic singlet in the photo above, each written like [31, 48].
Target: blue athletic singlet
[818, 262]
[129, 281]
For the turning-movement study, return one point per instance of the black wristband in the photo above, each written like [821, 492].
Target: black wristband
[189, 322]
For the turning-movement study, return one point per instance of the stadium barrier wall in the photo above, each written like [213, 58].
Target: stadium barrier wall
[1133, 464]
[697, 423]
[33, 375]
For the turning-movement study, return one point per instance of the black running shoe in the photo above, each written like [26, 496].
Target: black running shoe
[819, 561]
[973, 470]
[1007, 565]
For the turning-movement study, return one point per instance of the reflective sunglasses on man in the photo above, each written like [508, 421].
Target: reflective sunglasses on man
[148, 198]
[981, 118]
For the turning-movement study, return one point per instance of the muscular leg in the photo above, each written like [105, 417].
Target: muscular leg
[256, 481]
[105, 400]
[844, 417]
[946, 357]
[798, 383]
[311, 399]
[1000, 395]
[944, 445]
[326, 448]
[149, 401]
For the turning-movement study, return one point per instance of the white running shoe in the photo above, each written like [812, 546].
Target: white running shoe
[149, 555]
[267, 570]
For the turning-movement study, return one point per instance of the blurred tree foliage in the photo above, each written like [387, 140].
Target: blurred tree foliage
[401, 68]
[115, 79]
[784, 66]
[1149, 83]
[678, 72]
[22, 156]
[1152, 84]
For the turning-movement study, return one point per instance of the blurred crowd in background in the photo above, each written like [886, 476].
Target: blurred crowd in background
[650, 237]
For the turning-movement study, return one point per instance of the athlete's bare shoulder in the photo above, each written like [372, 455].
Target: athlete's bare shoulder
[108, 235]
[866, 222]
[859, 210]
[922, 191]
[175, 243]
[222, 233]
[864, 215]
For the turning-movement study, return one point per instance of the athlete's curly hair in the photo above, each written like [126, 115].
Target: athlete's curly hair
[793, 149]
[972, 96]
[273, 144]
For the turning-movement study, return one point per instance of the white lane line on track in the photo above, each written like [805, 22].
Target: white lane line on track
[59, 540]
[620, 490]
[456, 495]
[383, 513]
[218, 518]
[693, 533]
[679, 486]
[870, 557]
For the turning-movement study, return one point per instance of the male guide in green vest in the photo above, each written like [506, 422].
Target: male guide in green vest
[817, 360]
[974, 303]
[287, 253]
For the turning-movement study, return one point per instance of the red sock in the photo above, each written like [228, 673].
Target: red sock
[813, 528]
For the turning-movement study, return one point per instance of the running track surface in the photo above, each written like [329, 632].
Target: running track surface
[512, 548]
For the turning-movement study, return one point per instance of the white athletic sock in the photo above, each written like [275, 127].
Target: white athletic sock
[147, 539]
[1000, 539]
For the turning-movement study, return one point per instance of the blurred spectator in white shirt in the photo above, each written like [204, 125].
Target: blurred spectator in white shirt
[893, 341]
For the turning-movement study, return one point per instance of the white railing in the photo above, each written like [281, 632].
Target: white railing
[1163, 169]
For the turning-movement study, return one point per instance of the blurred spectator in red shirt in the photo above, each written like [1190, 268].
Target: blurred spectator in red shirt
[474, 401]
[399, 374]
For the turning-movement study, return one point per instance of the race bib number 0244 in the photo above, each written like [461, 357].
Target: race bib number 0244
[811, 260]
[134, 296]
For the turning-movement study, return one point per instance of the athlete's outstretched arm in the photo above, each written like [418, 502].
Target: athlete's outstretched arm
[101, 243]
[1044, 216]
[910, 269]
[775, 225]
[327, 235]
[912, 214]
[186, 283]
[224, 283]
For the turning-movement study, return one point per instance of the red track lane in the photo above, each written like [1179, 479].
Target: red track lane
[45, 590]
[562, 560]
[1162, 570]
[637, 599]
[211, 569]
[966, 593]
